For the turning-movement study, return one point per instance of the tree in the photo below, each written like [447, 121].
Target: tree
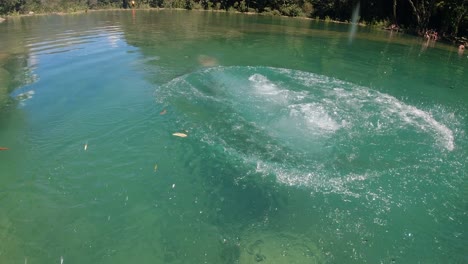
[8, 6]
[422, 10]
[453, 12]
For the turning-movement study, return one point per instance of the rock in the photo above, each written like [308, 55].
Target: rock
[207, 61]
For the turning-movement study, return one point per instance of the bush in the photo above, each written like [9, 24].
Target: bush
[188, 4]
[204, 4]
[268, 11]
[290, 10]
[196, 6]
[216, 6]
[242, 6]
[308, 9]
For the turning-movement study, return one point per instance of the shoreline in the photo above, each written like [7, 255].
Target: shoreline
[61, 13]
[455, 41]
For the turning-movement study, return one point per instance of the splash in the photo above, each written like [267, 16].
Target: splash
[306, 129]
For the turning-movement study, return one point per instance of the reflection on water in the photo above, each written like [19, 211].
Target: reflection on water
[300, 149]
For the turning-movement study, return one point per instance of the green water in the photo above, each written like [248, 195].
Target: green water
[302, 146]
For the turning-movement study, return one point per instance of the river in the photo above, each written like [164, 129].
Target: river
[159, 136]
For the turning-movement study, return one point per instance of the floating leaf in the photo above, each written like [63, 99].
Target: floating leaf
[180, 135]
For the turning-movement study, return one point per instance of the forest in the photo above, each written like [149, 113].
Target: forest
[447, 17]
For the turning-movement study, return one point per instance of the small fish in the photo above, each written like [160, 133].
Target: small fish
[86, 146]
[155, 167]
[61, 260]
[163, 112]
[173, 186]
[180, 135]
[2, 148]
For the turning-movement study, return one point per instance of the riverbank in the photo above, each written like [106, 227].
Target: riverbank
[383, 25]
[269, 13]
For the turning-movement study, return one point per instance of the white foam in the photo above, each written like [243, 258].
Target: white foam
[319, 180]
[322, 109]
[417, 118]
[269, 90]
[263, 85]
[315, 116]
[390, 111]
[411, 115]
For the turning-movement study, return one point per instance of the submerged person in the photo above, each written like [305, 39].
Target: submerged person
[394, 27]
[461, 49]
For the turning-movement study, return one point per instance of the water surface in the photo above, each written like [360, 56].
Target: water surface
[302, 147]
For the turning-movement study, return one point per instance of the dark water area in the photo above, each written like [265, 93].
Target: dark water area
[302, 145]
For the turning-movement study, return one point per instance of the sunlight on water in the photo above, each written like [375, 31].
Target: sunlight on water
[308, 130]
[354, 23]
[162, 137]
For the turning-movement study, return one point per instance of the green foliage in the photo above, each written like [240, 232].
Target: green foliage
[290, 10]
[308, 9]
[268, 11]
[175, 4]
[241, 6]
[196, 6]
[189, 4]
[379, 23]
[453, 13]
[216, 6]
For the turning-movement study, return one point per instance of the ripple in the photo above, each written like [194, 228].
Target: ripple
[73, 40]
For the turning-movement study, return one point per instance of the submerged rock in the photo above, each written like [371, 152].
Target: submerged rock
[207, 61]
[278, 247]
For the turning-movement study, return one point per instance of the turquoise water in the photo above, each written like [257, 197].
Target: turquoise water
[300, 147]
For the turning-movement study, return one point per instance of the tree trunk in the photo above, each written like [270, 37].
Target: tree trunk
[415, 11]
[422, 10]
[457, 23]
